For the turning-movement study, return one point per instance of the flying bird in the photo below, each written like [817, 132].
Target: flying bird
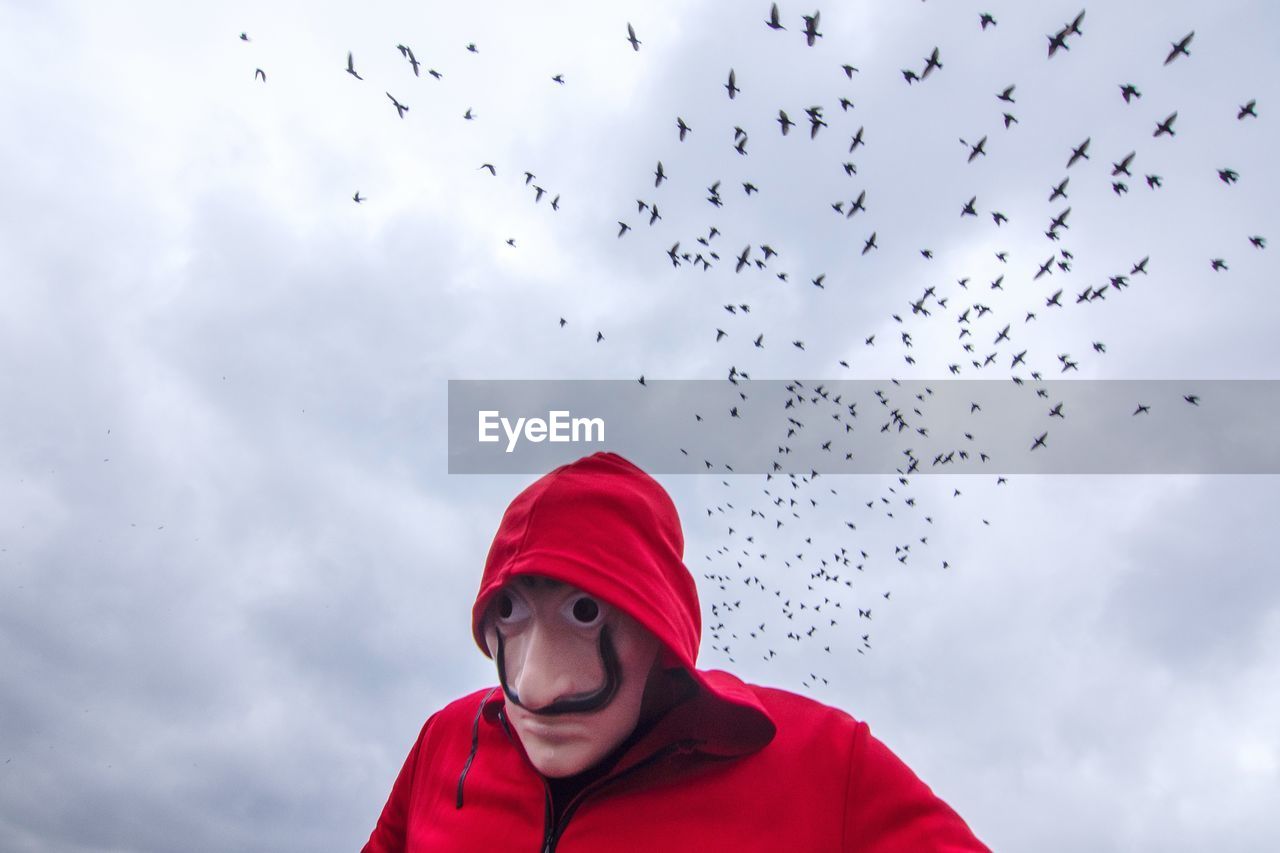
[1179, 47]
[631, 37]
[1166, 126]
[1248, 110]
[732, 85]
[811, 28]
[773, 23]
[857, 204]
[682, 127]
[1079, 152]
[258, 73]
[1058, 41]
[786, 122]
[978, 148]
[351, 68]
[401, 109]
[407, 53]
[930, 63]
[985, 20]
[659, 175]
[1129, 91]
[1122, 168]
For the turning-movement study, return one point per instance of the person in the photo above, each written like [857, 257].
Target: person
[602, 735]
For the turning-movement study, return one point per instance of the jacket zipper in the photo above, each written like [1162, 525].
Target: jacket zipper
[553, 831]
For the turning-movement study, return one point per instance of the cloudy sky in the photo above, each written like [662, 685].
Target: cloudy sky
[235, 570]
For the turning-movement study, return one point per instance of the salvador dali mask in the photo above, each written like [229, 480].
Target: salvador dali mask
[573, 669]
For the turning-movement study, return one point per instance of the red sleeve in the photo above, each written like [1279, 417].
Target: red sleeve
[889, 809]
[389, 834]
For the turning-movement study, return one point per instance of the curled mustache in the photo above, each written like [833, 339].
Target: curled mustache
[582, 703]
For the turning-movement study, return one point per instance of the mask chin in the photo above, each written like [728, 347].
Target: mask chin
[584, 703]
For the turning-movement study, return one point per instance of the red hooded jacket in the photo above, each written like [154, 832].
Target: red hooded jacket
[735, 768]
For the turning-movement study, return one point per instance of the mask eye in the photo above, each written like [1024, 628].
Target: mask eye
[584, 611]
[509, 608]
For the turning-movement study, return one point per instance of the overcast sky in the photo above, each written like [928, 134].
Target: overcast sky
[235, 575]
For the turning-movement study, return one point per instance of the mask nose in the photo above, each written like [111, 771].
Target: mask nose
[551, 668]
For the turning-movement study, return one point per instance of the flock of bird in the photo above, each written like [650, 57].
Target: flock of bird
[807, 592]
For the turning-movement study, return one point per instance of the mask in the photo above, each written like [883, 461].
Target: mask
[573, 669]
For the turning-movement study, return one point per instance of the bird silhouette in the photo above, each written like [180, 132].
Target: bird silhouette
[811, 33]
[407, 53]
[1166, 126]
[351, 68]
[1078, 153]
[930, 64]
[978, 148]
[1180, 48]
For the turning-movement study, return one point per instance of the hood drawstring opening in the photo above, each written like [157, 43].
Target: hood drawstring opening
[475, 745]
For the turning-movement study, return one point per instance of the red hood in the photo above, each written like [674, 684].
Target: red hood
[606, 527]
